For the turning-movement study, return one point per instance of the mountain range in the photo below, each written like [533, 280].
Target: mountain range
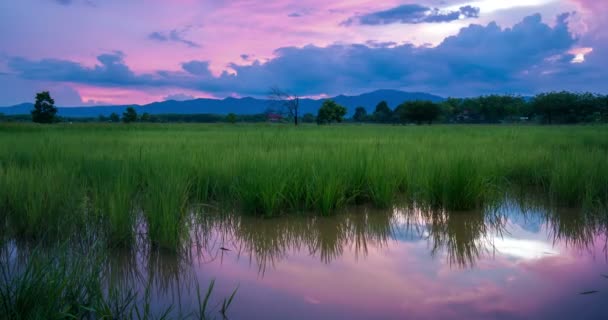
[246, 105]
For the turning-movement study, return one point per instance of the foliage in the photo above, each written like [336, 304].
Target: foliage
[382, 113]
[360, 114]
[418, 112]
[231, 118]
[268, 169]
[146, 117]
[130, 115]
[44, 108]
[330, 112]
[308, 118]
[547, 108]
[567, 107]
[71, 281]
[114, 117]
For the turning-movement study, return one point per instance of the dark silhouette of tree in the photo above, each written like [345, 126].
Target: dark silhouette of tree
[330, 112]
[555, 106]
[603, 109]
[145, 117]
[44, 108]
[231, 118]
[418, 112]
[450, 108]
[360, 114]
[114, 117]
[308, 118]
[382, 113]
[289, 104]
[130, 115]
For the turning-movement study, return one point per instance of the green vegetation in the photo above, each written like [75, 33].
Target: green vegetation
[57, 180]
[130, 115]
[231, 118]
[114, 117]
[71, 282]
[417, 112]
[382, 113]
[545, 108]
[330, 112]
[44, 108]
[360, 114]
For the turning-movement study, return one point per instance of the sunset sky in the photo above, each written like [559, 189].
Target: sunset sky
[89, 52]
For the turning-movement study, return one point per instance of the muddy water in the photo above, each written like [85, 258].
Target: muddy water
[506, 263]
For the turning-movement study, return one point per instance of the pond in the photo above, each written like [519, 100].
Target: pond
[509, 262]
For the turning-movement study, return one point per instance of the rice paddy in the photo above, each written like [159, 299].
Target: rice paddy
[61, 179]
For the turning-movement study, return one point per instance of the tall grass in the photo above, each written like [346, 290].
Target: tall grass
[54, 179]
[166, 195]
[70, 282]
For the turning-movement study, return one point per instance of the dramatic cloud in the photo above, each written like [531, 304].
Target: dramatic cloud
[413, 14]
[526, 58]
[173, 36]
[478, 59]
[111, 71]
[199, 68]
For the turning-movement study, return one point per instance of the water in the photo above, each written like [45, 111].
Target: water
[506, 263]
[396, 264]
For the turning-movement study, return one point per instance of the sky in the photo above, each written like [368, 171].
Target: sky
[100, 52]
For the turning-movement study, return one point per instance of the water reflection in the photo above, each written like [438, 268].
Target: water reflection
[517, 260]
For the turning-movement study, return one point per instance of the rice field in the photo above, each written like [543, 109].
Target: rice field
[61, 179]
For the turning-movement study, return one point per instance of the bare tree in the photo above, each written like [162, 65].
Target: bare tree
[287, 102]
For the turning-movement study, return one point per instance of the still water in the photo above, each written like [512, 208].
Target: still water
[505, 263]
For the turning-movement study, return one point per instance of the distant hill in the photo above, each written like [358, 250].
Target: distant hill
[234, 105]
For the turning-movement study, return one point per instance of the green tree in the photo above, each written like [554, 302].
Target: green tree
[308, 118]
[330, 112]
[603, 109]
[382, 113]
[145, 117]
[231, 118]
[555, 106]
[360, 114]
[418, 111]
[114, 117]
[130, 115]
[451, 108]
[44, 108]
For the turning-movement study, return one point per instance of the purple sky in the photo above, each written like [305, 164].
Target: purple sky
[139, 51]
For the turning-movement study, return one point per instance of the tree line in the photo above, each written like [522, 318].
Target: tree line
[548, 108]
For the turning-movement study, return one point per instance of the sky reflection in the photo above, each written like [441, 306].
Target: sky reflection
[411, 265]
[510, 262]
